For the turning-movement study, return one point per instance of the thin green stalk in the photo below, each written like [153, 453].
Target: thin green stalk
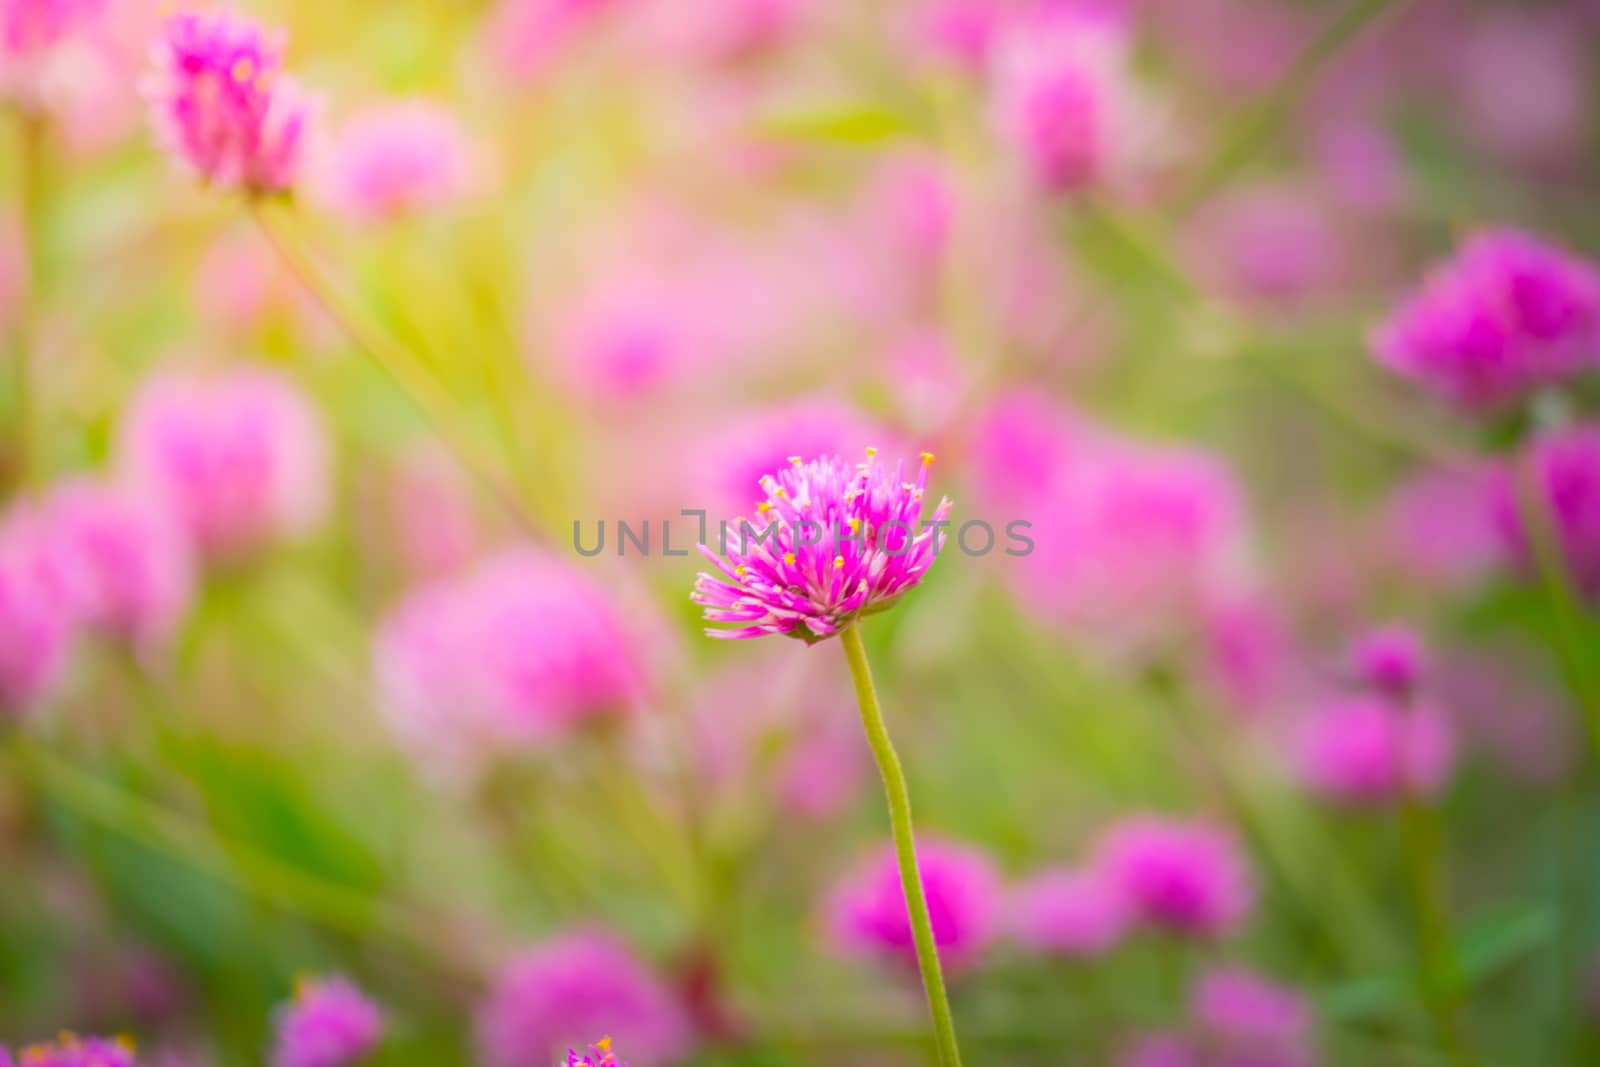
[905, 845]
[1441, 968]
[419, 386]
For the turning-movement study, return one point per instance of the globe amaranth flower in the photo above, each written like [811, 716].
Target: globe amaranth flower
[1389, 659]
[1371, 750]
[36, 620]
[1184, 875]
[508, 657]
[600, 1054]
[557, 995]
[867, 914]
[70, 1050]
[124, 561]
[223, 108]
[395, 160]
[1248, 1020]
[1560, 474]
[1507, 315]
[832, 541]
[237, 456]
[329, 1023]
[31, 34]
[1067, 912]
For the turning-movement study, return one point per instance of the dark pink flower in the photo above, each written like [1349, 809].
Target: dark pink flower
[1368, 750]
[69, 1050]
[330, 1023]
[832, 541]
[1562, 472]
[1186, 875]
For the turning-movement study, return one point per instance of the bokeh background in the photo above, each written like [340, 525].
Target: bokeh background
[349, 701]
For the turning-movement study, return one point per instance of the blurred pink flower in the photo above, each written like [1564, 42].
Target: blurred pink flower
[1270, 245]
[396, 160]
[237, 455]
[510, 656]
[32, 33]
[846, 540]
[599, 1055]
[1440, 528]
[1360, 163]
[329, 1023]
[718, 31]
[1522, 81]
[1160, 1050]
[70, 1050]
[635, 331]
[866, 914]
[1186, 875]
[1250, 1021]
[1389, 659]
[960, 32]
[1025, 446]
[427, 512]
[124, 561]
[1068, 912]
[222, 106]
[1561, 470]
[561, 993]
[1065, 103]
[1507, 315]
[1249, 654]
[35, 618]
[530, 35]
[1367, 750]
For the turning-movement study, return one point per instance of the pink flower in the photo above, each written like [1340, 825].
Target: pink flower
[427, 513]
[512, 655]
[633, 332]
[845, 540]
[1250, 1021]
[32, 33]
[599, 1055]
[1508, 315]
[1069, 912]
[1065, 103]
[555, 996]
[1562, 470]
[396, 160]
[330, 1023]
[529, 35]
[237, 455]
[1366, 750]
[961, 32]
[1440, 528]
[69, 1050]
[1160, 1050]
[125, 562]
[222, 106]
[867, 915]
[1389, 659]
[35, 616]
[1522, 81]
[1188, 876]
[1270, 245]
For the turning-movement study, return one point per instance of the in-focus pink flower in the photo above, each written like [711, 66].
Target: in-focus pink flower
[1069, 913]
[831, 542]
[1561, 472]
[70, 1050]
[1369, 750]
[238, 456]
[222, 106]
[510, 656]
[396, 160]
[1065, 102]
[558, 995]
[124, 560]
[329, 1023]
[866, 914]
[1506, 316]
[1185, 875]
[1248, 1020]
[35, 616]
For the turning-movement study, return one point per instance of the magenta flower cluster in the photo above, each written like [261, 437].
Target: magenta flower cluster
[1504, 317]
[70, 1050]
[329, 1023]
[848, 539]
[222, 105]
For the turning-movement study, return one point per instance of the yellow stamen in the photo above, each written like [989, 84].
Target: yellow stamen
[788, 557]
[927, 459]
[604, 1044]
[763, 507]
[871, 452]
[740, 570]
[796, 460]
[838, 563]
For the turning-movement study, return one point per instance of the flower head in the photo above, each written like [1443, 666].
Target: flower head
[239, 457]
[510, 656]
[832, 541]
[124, 560]
[1563, 468]
[1069, 913]
[867, 913]
[551, 997]
[1507, 315]
[70, 1050]
[1188, 876]
[396, 160]
[599, 1055]
[1366, 750]
[329, 1023]
[1251, 1021]
[1389, 659]
[35, 618]
[222, 106]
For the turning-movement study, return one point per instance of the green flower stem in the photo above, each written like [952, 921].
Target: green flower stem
[905, 845]
[1441, 968]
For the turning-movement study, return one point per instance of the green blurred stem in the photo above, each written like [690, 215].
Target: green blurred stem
[905, 845]
[1442, 979]
[31, 136]
[419, 386]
